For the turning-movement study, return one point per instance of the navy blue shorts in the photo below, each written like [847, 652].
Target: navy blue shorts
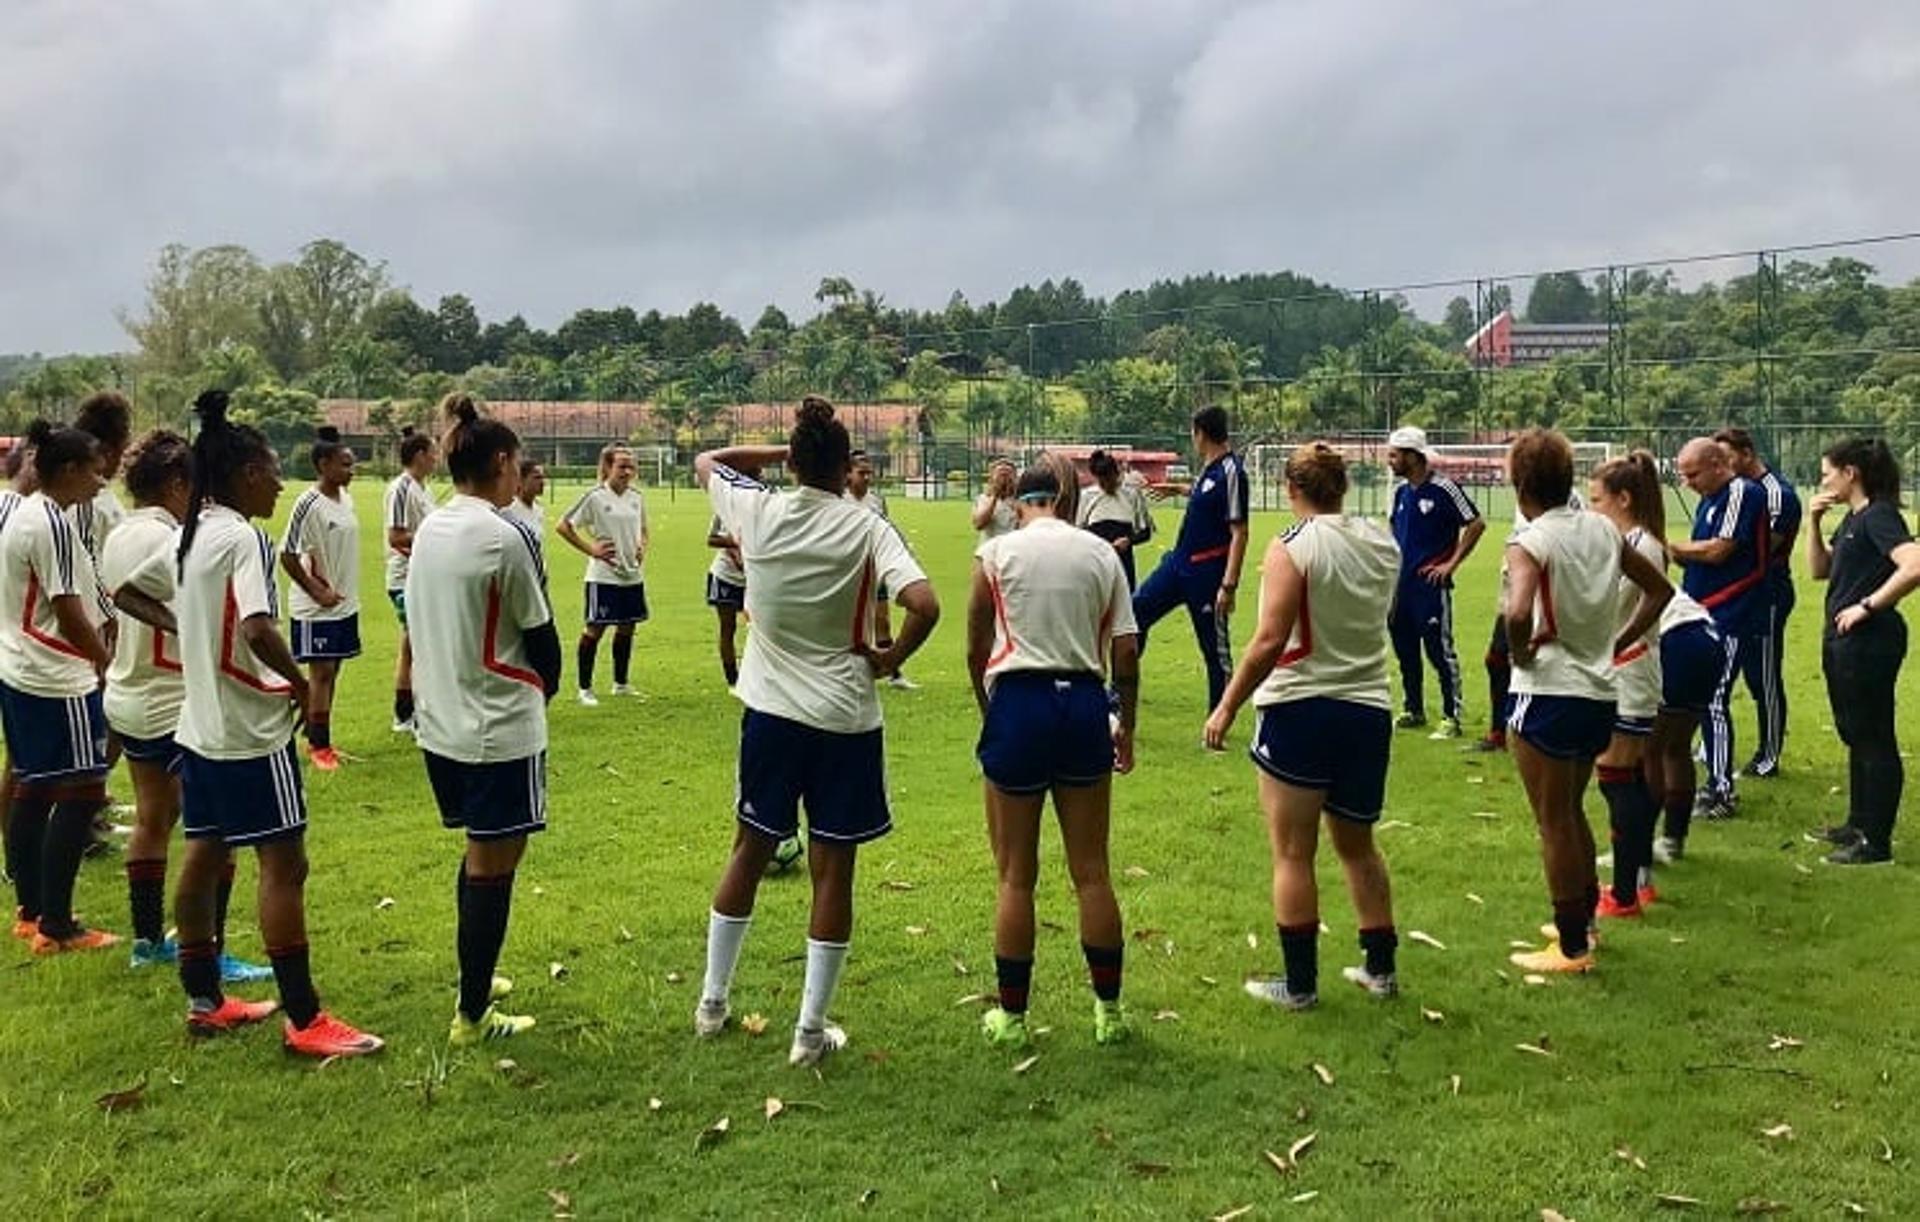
[250, 801]
[326, 640]
[724, 593]
[490, 801]
[1633, 727]
[1336, 746]
[161, 752]
[841, 778]
[54, 740]
[611, 605]
[1692, 658]
[399, 600]
[1045, 729]
[1564, 727]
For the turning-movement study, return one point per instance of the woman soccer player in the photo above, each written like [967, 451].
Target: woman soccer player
[240, 774]
[1869, 567]
[1563, 625]
[487, 663]
[525, 507]
[811, 732]
[107, 417]
[408, 504]
[1317, 672]
[51, 659]
[144, 690]
[1115, 510]
[860, 491]
[996, 513]
[1048, 608]
[321, 553]
[614, 516]
[727, 591]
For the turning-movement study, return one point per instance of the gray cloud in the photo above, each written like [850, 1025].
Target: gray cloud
[546, 156]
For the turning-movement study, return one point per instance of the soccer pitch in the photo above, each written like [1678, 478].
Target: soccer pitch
[1751, 1042]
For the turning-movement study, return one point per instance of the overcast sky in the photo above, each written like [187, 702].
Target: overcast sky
[542, 156]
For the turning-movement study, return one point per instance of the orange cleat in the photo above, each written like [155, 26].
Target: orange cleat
[1648, 894]
[231, 1014]
[1551, 933]
[327, 1036]
[1552, 959]
[1610, 907]
[323, 759]
[86, 939]
[25, 928]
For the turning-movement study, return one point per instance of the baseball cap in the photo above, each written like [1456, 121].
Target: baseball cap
[1409, 438]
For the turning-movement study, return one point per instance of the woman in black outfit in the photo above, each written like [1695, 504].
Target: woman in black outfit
[1870, 566]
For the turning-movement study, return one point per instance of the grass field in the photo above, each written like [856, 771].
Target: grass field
[1766, 990]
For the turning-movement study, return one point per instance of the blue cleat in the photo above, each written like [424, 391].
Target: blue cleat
[164, 953]
[239, 971]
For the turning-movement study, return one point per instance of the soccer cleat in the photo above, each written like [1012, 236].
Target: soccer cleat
[1492, 744]
[1714, 808]
[1410, 721]
[812, 1047]
[1765, 770]
[499, 988]
[1551, 932]
[1449, 727]
[403, 725]
[154, 954]
[1383, 987]
[710, 1017]
[1552, 959]
[323, 759]
[231, 1013]
[239, 971]
[1669, 849]
[1615, 910]
[588, 700]
[490, 1026]
[1603, 862]
[327, 1036]
[901, 683]
[1276, 993]
[1839, 835]
[82, 939]
[1110, 1025]
[1648, 894]
[1860, 853]
[25, 928]
[1005, 1029]
[629, 690]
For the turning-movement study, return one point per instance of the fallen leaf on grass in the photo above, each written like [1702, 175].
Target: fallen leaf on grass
[896, 884]
[866, 1198]
[1239, 1211]
[1677, 940]
[562, 1203]
[1673, 1200]
[565, 1160]
[1855, 1208]
[674, 977]
[1137, 872]
[1779, 1132]
[1300, 1147]
[1432, 1016]
[1390, 824]
[916, 931]
[1453, 1080]
[1103, 1137]
[131, 1099]
[971, 999]
[993, 1182]
[1517, 944]
[1886, 1150]
[385, 902]
[961, 969]
[654, 1105]
[1532, 1049]
[1486, 814]
[1626, 1155]
[1754, 1206]
[557, 970]
[1209, 981]
[1323, 1073]
[1148, 935]
[1803, 867]
[1533, 978]
[712, 1134]
[1301, 1198]
[1474, 899]
[754, 1024]
[1166, 1016]
[1476, 780]
[1027, 1064]
[1150, 1170]
[626, 935]
[773, 1107]
[1278, 1162]
[1425, 939]
[1253, 943]
[1780, 1043]
[1553, 1215]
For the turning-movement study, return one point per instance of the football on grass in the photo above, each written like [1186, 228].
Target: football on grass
[785, 854]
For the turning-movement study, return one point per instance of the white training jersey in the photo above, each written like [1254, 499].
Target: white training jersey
[1574, 615]
[1338, 647]
[621, 519]
[1005, 519]
[476, 587]
[816, 561]
[1125, 504]
[1059, 597]
[235, 708]
[145, 684]
[408, 503]
[323, 534]
[1636, 670]
[95, 520]
[873, 503]
[41, 559]
[724, 566]
[533, 517]
[1682, 609]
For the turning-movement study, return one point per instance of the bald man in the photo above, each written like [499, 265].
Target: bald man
[1763, 666]
[1725, 565]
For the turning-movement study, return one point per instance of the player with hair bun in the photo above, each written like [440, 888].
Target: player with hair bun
[407, 505]
[321, 554]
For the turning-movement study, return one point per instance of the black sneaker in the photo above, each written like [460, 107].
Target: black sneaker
[1859, 853]
[1410, 721]
[1488, 745]
[1840, 834]
[1714, 809]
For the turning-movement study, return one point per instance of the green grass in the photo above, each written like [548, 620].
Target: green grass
[1664, 1052]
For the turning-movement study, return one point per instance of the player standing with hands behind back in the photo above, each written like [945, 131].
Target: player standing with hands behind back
[321, 553]
[614, 516]
[408, 504]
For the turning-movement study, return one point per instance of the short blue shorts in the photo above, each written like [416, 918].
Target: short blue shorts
[724, 593]
[1336, 746]
[841, 779]
[1692, 659]
[490, 801]
[1044, 729]
[249, 801]
[54, 740]
[613, 606]
[326, 640]
[1564, 727]
[161, 752]
[399, 600]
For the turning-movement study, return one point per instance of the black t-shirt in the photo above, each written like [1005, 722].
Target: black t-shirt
[1862, 557]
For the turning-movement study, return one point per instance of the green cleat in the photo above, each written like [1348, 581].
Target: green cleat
[492, 1025]
[1449, 727]
[1005, 1029]
[1110, 1024]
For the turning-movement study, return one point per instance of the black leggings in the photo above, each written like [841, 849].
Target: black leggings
[1861, 668]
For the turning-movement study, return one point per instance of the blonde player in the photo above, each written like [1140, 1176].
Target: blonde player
[613, 516]
[321, 554]
[408, 503]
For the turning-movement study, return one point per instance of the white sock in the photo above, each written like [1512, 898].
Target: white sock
[824, 961]
[724, 936]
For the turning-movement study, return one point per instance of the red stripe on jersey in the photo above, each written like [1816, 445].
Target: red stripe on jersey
[1000, 618]
[1550, 623]
[862, 608]
[1633, 654]
[1303, 628]
[160, 659]
[1763, 532]
[229, 626]
[56, 644]
[1209, 553]
[489, 656]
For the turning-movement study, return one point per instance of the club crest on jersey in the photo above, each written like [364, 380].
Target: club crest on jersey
[1206, 485]
[1426, 506]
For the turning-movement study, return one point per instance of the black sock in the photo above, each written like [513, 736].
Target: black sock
[1621, 788]
[1300, 950]
[1103, 966]
[291, 972]
[485, 903]
[200, 974]
[622, 658]
[403, 704]
[1646, 818]
[68, 832]
[588, 648]
[1378, 945]
[222, 898]
[1679, 812]
[1571, 921]
[1016, 980]
[731, 671]
[320, 732]
[147, 897]
[26, 841]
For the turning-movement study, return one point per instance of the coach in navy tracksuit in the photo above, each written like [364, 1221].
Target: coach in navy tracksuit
[1726, 563]
[1437, 527]
[1202, 571]
[1762, 664]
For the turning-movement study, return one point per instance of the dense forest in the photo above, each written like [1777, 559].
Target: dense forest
[1793, 342]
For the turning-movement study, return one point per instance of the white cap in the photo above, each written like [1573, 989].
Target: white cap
[1409, 438]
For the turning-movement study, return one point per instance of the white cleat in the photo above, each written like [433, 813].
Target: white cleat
[902, 683]
[1276, 993]
[710, 1018]
[403, 725]
[1383, 987]
[628, 689]
[588, 700]
[812, 1047]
